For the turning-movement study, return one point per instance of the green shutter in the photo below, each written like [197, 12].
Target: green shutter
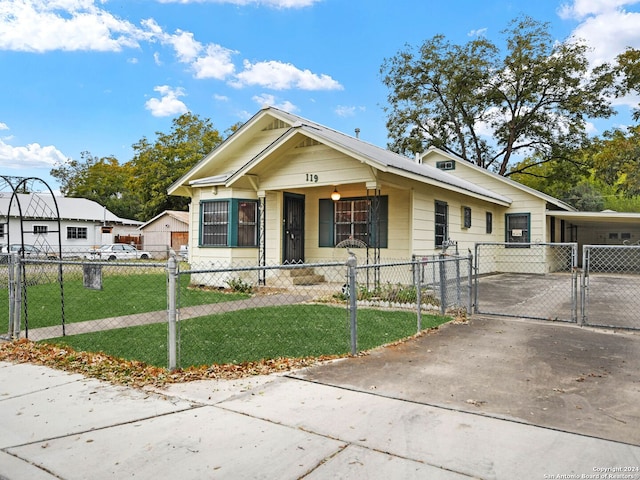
[325, 224]
[383, 222]
[233, 223]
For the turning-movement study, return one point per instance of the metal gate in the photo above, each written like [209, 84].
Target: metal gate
[611, 286]
[527, 280]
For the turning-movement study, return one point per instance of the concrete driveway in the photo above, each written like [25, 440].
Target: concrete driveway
[549, 374]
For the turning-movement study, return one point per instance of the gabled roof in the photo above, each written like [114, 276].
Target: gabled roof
[377, 157]
[175, 214]
[548, 198]
[42, 206]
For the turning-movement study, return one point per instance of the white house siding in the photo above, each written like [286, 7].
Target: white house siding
[312, 166]
[50, 239]
[424, 221]
[234, 157]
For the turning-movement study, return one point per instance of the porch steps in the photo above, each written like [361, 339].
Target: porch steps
[302, 276]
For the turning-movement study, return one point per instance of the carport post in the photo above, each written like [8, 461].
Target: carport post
[172, 315]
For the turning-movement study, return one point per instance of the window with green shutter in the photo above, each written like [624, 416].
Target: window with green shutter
[229, 223]
[355, 219]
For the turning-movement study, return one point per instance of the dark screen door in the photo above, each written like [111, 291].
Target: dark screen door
[293, 234]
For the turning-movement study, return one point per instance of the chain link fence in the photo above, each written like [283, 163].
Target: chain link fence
[114, 307]
[611, 286]
[178, 315]
[311, 309]
[529, 280]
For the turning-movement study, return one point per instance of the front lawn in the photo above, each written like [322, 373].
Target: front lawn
[293, 331]
[120, 295]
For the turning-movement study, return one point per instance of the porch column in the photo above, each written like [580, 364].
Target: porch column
[262, 241]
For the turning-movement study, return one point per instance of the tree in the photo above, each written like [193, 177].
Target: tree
[616, 160]
[627, 72]
[137, 189]
[156, 166]
[102, 180]
[489, 111]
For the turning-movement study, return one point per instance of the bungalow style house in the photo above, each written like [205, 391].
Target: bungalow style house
[283, 189]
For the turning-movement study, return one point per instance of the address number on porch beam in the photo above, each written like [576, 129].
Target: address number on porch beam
[312, 177]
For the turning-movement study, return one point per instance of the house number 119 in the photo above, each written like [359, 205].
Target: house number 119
[312, 177]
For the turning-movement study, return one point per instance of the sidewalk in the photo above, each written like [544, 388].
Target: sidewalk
[63, 426]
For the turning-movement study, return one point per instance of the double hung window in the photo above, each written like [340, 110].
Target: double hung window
[360, 219]
[229, 223]
[518, 225]
[441, 223]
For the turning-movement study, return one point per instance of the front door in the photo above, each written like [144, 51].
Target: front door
[293, 228]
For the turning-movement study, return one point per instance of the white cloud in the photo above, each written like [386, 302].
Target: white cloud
[168, 104]
[605, 25]
[49, 25]
[347, 111]
[579, 9]
[31, 156]
[267, 100]
[281, 76]
[609, 34]
[481, 32]
[212, 61]
[187, 48]
[46, 25]
[220, 98]
[215, 64]
[608, 29]
[4, 126]
[268, 3]
[344, 111]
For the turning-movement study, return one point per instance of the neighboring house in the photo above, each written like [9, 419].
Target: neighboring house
[84, 224]
[285, 189]
[166, 231]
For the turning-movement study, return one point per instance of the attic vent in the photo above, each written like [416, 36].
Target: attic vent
[446, 165]
[275, 125]
[308, 142]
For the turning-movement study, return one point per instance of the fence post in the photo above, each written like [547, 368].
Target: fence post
[417, 274]
[470, 283]
[172, 315]
[476, 257]
[443, 285]
[352, 262]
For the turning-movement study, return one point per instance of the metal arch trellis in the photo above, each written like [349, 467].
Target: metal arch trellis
[36, 208]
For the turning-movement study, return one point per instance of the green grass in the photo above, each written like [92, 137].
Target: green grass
[121, 295]
[260, 333]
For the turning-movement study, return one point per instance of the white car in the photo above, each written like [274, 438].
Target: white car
[118, 251]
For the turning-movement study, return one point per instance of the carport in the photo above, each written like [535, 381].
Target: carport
[594, 228]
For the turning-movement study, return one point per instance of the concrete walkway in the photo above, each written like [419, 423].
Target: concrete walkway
[57, 425]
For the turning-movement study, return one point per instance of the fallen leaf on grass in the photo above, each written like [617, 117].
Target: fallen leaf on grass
[139, 374]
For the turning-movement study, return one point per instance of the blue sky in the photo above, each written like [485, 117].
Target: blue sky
[99, 75]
